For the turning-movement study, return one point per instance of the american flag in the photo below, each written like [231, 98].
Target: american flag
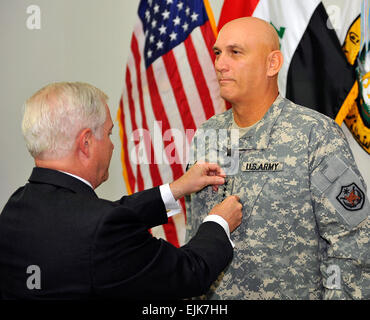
[170, 89]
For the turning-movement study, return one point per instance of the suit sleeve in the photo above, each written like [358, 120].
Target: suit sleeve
[127, 262]
[148, 206]
[342, 209]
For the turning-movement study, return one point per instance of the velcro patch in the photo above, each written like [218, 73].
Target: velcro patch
[337, 182]
[351, 197]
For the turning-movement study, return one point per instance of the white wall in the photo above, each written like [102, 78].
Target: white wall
[79, 40]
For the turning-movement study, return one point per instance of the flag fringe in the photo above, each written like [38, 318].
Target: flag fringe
[211, 17]
[124, 168]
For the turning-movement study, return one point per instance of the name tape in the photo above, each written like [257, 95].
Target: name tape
[262, 166]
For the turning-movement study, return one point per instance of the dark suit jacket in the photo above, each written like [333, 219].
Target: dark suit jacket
[88, 247]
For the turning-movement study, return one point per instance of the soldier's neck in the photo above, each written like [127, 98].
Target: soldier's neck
[251, 111]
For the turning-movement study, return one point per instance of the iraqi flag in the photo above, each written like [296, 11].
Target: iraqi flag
[320, 44]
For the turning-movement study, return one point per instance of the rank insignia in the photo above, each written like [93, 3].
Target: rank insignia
[351, 197]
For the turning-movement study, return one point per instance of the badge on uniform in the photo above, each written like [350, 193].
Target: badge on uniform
[351, 197]
[262, 166]
[337, 182]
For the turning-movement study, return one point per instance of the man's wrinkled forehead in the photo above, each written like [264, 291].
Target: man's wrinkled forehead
[231, 46]
[229, 38]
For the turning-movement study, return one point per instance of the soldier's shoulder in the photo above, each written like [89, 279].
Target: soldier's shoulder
[218, 120]
[304, 116]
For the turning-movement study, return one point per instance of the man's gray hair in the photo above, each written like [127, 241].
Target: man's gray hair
[57, 113]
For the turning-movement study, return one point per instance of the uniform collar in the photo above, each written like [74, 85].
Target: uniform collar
[258, 137]
[60, 179]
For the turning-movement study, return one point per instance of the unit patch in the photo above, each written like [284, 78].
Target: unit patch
[351, 197]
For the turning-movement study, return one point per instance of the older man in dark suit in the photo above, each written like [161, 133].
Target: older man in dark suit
[58, 240]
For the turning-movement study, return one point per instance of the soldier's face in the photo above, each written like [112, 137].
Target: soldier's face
[241, 62]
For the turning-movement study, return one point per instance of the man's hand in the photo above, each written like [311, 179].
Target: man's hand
[231, 210]
[196, 178]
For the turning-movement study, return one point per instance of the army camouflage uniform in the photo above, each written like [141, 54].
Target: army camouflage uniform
[305, 229]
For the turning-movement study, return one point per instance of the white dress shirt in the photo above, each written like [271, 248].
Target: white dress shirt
[173, 207]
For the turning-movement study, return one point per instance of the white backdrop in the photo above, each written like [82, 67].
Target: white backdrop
[78, 40]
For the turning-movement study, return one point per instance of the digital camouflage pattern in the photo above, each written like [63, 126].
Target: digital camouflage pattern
[305, 229]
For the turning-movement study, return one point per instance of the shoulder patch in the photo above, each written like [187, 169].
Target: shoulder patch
[337, 182]
[351, 197]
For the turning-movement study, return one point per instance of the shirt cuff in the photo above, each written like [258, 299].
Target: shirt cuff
[222, 222]
[172, 206]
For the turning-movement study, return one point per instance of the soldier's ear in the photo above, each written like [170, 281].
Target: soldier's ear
[274, 63]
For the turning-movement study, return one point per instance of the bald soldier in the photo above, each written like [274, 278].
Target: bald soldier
[305, 232]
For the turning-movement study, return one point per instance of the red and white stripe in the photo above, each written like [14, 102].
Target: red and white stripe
[178, 91]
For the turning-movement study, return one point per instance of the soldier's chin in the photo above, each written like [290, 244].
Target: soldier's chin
[226, 95]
